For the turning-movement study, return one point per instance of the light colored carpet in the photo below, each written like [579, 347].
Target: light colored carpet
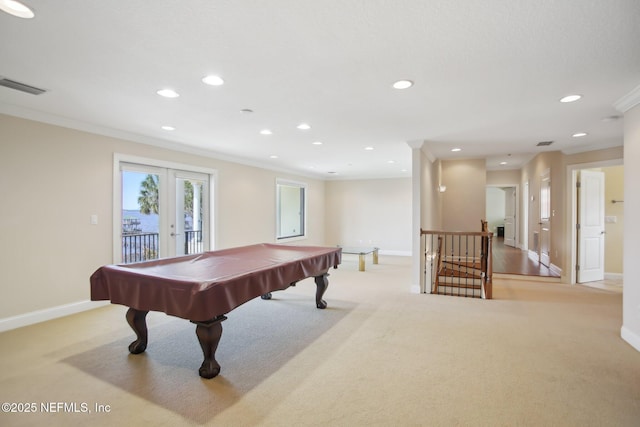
[539, 354]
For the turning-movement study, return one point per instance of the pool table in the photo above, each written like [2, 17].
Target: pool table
[204, 287]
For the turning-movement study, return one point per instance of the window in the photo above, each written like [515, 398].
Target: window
[290, 210]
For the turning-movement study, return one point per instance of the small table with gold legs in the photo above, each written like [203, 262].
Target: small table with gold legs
[361, 252]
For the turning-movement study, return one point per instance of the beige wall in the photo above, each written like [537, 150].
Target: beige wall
[614, 190]
[614, 153]
[52, 179]
[246, 205]
[370, 213]
[463, 203]
[531, 173]
[502, 177]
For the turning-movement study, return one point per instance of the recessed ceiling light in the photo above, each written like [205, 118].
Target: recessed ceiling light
[213, 80]
[168, 128]
[571, 98]
[168, 93]
[304, 126]
[273, 156]
[391, 161]
[579, 134]
[456, 149]
[246, 111]
[266, 132]
[403, 170]
[402, 84]
[503, 163]
[317, 143]
[333, 172]
[368, 148]
[16, 8]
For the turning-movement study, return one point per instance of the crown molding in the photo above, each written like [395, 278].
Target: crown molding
[416, 143]
[628, 101]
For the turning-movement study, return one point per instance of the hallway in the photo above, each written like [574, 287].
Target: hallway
[510, 260]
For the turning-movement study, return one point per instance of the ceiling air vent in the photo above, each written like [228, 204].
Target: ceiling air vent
[544, 143]
[11, 84]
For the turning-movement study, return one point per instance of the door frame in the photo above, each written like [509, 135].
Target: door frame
[146, 161]
[516, 224]
[524, 242]
[545, 237]
[571, 220]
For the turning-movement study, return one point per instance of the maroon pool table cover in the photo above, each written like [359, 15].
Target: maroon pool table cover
[203, 286]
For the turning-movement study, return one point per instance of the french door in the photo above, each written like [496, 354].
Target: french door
[189, 202]
[160, 212]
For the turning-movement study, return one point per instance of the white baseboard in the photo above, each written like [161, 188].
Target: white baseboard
[632, 338]
[38, 316]
[395, 253]
[613, 276]
[554, 268]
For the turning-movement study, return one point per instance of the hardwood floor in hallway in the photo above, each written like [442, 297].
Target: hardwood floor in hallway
[510, 260]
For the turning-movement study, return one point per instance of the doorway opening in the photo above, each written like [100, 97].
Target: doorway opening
[612, 231]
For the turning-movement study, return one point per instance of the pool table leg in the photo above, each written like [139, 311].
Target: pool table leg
[209, 334]
[137, 321]
[321, 285]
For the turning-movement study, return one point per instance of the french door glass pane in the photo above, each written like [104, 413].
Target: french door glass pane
[140, 216]
[190, 211]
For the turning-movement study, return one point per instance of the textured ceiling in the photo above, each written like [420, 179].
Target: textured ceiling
[488, 76]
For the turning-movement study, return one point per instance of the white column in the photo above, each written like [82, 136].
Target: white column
[417, 265]
[630, 330]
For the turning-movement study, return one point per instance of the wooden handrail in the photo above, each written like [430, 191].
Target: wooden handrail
[486, 261]
[457, 233]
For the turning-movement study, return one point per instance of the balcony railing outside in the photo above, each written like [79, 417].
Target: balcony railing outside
[138, 247]
[193, 242]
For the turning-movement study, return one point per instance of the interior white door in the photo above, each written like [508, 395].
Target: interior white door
[510, 216]
[591, 232]
[545, 219]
